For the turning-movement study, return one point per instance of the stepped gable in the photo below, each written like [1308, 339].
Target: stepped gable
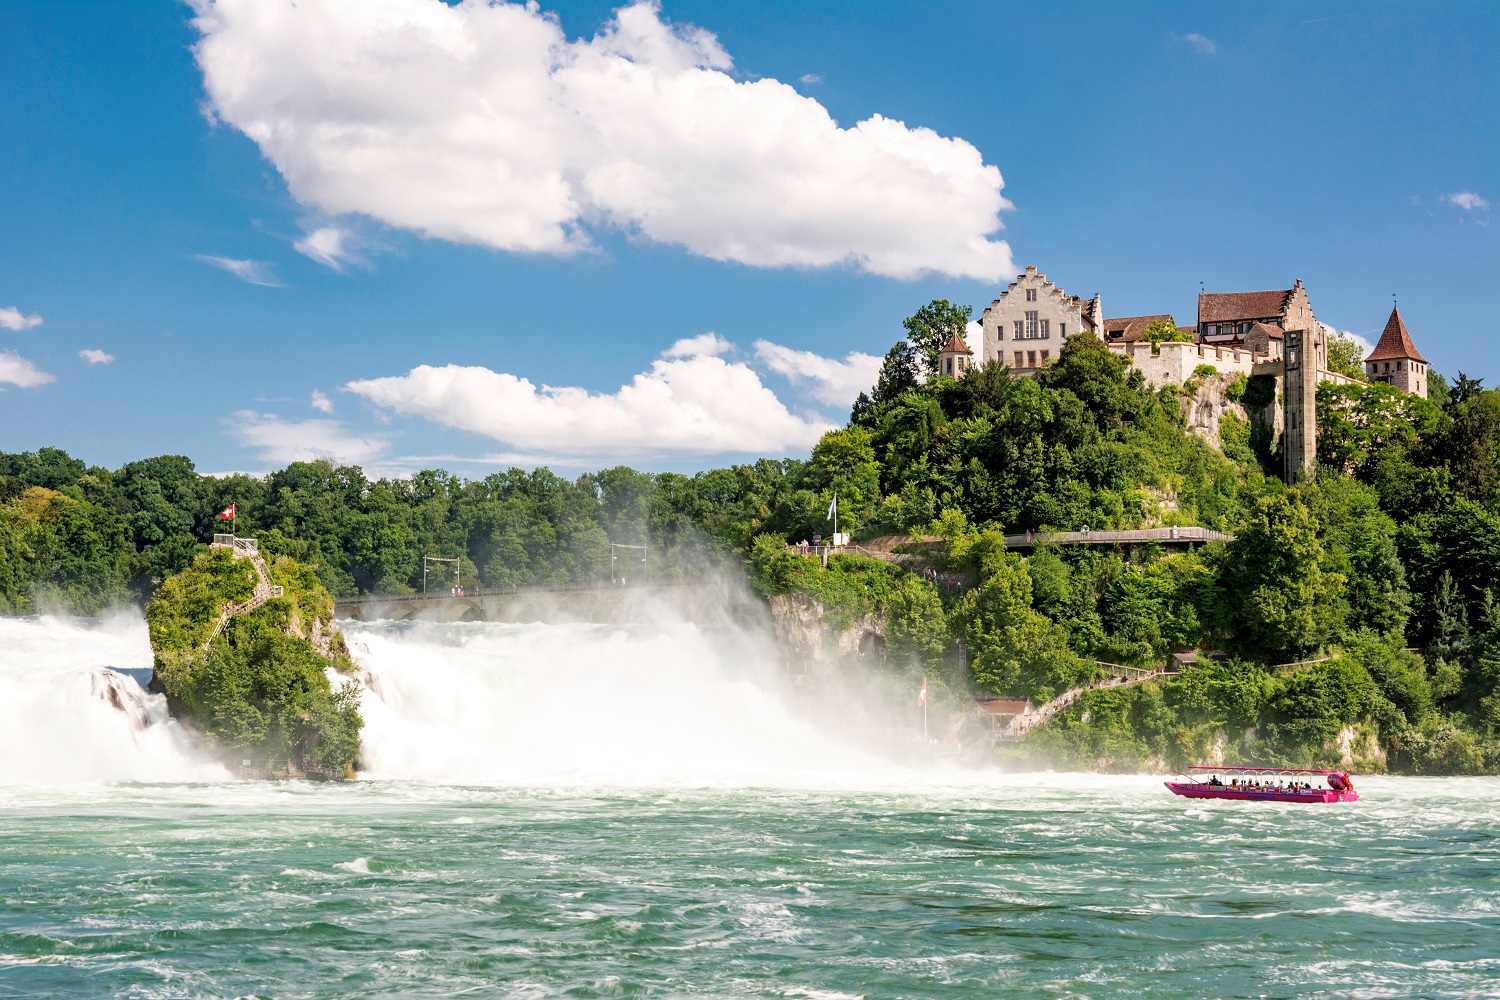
[1395, 342]
[1228, 307]
[1128, 329]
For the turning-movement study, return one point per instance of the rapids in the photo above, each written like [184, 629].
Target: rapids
[581, 811]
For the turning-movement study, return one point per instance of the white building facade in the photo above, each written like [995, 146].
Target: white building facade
[1026, 326]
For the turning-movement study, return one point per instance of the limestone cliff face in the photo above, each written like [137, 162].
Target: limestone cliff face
[1207, 405]
[812, 644]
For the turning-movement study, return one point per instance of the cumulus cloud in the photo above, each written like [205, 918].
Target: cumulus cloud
[95, 357]
[1467, 200]
[16, 321]
[829, 380]
[692, 401]
[17, 371]
[480, 122]
[329, 246]
[279, 441]
[253, 271]
[1365, 346]
[320, 402]
[1202, 44]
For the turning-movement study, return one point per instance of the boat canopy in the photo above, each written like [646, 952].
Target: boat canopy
[1259, 770]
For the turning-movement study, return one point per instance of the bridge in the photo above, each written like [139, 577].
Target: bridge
[1134, 536]
[706, 601]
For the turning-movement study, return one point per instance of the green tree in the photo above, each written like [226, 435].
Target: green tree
[1279, 600]
[931, 327]
[1345, 356]
[1162, 332]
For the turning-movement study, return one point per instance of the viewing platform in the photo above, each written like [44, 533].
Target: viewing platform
[1132, 536]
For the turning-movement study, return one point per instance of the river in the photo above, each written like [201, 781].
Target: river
[541, 817]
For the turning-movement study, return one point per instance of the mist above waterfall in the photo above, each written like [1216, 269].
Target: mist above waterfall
[667, 703]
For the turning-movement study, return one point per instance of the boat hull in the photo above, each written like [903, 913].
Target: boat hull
[1196, 790]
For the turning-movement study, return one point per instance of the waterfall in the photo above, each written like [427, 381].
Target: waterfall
[542, 704]
[66, 717]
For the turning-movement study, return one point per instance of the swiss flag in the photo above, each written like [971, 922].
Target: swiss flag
[922, 696]
[226, 513]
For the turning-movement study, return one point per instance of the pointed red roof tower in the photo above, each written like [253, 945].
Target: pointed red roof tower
[955, 358]
[1396, 359]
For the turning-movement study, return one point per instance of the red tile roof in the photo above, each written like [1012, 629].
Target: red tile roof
[1228, 307]
[1131, 328]
[1395, 342]
[956, 343]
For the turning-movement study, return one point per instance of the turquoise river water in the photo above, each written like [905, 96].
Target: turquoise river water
[743, 856]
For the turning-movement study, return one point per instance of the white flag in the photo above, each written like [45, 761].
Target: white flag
[833, 507]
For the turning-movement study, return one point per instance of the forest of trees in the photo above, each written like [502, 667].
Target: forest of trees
[1382, 565]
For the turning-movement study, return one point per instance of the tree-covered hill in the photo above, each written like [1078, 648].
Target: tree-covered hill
[1384, 563]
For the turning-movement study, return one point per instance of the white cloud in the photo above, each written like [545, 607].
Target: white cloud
[329, 246]
[479, 122]
[811, 78]
[974, 340]
[253, 271]
[834, 382]
[17, 371]
[1365, 346]
[1467, 200]
[320, 402]
[691, 402]
[279, 441]
[16, 321]
[1201, 44]
[95, 357]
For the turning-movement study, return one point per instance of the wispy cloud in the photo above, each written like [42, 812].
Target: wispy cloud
[1202, 44]
[811, 78]
[320, 402]
[329, 246]
[16, 321]
[829, 380]
[278, 440]
[1467, 200]
[95, 357]
[690, 402]
[253, 271]
[17, 371]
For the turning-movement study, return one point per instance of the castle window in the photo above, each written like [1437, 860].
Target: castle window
[1031, 325]
[1018, 359]
[1062, 329]
[1044, 356]
[950, 366]
[1031, 359]
[1019, 333]
[1045, 331]
[1398, 366]
[1244, 328]
[1031, 295]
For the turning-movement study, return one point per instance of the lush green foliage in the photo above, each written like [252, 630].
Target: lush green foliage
[259, 689]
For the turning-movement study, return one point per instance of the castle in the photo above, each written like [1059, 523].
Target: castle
[1268, 333]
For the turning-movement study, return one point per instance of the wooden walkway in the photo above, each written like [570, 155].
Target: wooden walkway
[265, 590]
[1132, 536]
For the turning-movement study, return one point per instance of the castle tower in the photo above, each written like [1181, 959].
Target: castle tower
[1395, 359]
[955, 358]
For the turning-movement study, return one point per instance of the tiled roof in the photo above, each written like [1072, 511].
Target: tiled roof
[1395, 342]
[1130, 328]
[956, 343]
[1272, 330]
[1227, 307]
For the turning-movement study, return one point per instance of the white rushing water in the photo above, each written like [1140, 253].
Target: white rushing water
[470, 703]
[64, 718]
[540, 704]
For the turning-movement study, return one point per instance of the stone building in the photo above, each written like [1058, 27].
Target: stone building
[1025, 327]
[1129, 329]
[1396, 360]
[955, 358]
[1227, 319]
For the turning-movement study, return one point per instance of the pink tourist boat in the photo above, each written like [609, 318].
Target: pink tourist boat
[1265, 784]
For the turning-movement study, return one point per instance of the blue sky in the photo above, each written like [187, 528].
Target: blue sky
[1143, 149]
